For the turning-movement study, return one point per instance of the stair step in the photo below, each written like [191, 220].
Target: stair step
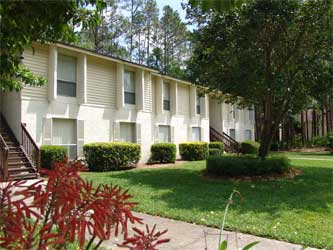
[21, 169]
[19, 176]
[26, 163]
[13, 157]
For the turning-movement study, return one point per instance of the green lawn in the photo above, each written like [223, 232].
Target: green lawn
[299, 210]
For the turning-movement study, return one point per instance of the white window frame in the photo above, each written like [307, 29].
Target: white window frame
[198, 106]
[130, 92]
[169, 133]
[230, 134]
[166, 99]
[61, 80]
[67, 145]
[199, 133]
[249, 138]
[133, 128]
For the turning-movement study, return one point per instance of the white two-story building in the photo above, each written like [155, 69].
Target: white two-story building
[91, 97]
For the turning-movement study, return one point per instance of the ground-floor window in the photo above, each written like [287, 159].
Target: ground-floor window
[64, 134]
[196, 134]
[232, 133]
[127, 132]
[164, 133]
[248, 134]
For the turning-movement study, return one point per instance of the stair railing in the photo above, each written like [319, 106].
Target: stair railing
[30, 147]
[4, 157]
[230, 144]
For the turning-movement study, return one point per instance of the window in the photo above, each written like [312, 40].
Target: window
[66, 74]
[198, 105]
[196, 134]
[164, 133]
[129, 87]
[166, 96]
[234, 110]
[232, 133]
[251, 115]
[64, 134]
[248, 135]
[127, 132]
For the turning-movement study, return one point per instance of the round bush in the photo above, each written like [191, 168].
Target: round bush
[246, 165]
[216, 144]
[249, 147]
[107, 156]
[51, 153]
[193, 151]
[163, 153]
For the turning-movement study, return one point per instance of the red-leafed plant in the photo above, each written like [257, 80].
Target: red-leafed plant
[67, 209]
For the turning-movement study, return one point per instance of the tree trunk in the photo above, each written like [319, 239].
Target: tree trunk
[307, 125]
[302, 128]
[323, 122]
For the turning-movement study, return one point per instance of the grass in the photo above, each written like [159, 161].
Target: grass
[298, 210]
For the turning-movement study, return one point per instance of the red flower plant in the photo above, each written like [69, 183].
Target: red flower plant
[67, 209]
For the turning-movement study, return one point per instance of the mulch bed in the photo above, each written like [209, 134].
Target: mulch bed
[288, 175]
[160, 165]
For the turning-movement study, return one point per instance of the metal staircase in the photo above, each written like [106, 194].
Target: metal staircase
[17, 161]
[230, 144]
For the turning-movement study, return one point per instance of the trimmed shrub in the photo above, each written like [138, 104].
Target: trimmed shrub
[108, 156]
[193, 151]
[246, 165]
[320, 141]
[249, 147]
[216, 148]
[214, 151]
[163, 153]
[51, 153]
[330, 141]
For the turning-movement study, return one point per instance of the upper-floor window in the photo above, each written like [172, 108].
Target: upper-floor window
[251, 115]
[164, 133]
[66, 74]
[127, 132]
[166, 96]
[196, 133]
[129, 87]
[234, 110]
[198, 110]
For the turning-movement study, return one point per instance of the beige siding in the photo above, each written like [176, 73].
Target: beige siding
[183, 100]
[101, 82]
[147, 93]
[37, 61]
[153, 91]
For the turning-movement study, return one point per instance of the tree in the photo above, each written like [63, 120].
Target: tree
[23, 22]
[104, 36]
[260, 54]
[173, 36]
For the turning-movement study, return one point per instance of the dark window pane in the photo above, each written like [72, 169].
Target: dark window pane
[198, 109]
[166, 104]
[129, 98]
[66, 88]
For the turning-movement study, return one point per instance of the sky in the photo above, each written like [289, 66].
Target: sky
[175, 4]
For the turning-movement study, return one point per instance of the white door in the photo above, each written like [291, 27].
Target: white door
[64, 134]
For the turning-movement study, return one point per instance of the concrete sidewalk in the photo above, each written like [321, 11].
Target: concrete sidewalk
[186, 236]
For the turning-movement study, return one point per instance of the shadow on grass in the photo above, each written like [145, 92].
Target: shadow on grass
[185, 188]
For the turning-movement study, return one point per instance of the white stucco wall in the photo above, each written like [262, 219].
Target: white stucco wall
[11, 110]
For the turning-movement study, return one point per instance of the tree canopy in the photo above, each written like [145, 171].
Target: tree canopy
[265, 53]
[24, 22]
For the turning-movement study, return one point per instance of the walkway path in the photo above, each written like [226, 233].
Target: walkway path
[186, 236]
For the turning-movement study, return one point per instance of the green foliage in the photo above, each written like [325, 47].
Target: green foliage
[250, 147]
[163, 153]
[265, 52]
[25, 22]
[51, 153]
[216, 148]
[193, 151]
[214, 151]
[224, 245]
[274, 146]
[234, 166]
[111, 156]
[320, 141]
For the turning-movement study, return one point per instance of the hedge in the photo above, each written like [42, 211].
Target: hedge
[163, 153]
[193, 151]
[51, 153]
[249, 147]
[108, 156]
[216, 148]
[246, 165]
